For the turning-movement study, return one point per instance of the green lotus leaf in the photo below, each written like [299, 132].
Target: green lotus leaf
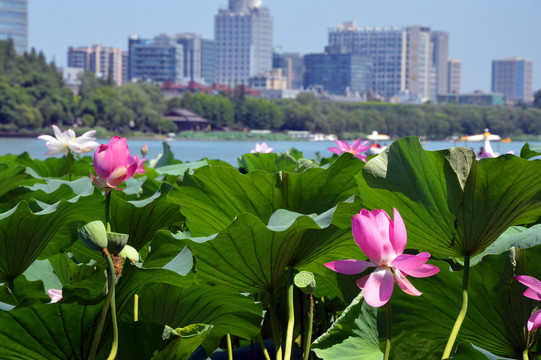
[142, 219]
[13, 177]
[516, 236]
[135, 278]
[529, 151]
[466, 351]
[144, 340]
[180, 169]
[49, 192]
[497, 310]
[273, 162]
[354, 335]
[51, 167]
[222, 193]
[250, 256]
[47, 331]
[25, 235]
[227, 311]
[452, 205]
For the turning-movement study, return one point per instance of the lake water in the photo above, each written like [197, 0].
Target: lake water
[193, 150]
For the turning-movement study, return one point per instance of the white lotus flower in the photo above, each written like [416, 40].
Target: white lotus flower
[262, 148]
[65, 141]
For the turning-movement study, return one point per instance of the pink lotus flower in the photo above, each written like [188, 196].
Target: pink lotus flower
[55, 295]
[66, 141]
[113, 164]
[383, 241]
[140, 168]
[356, 148]
[263, 148]
[533, 292]
[144, 149]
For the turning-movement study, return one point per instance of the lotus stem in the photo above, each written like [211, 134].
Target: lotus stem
[70, 163]
[389, 333]
[107, 206]
[525, 354]
[135, 307]
[103, 315]
[291, 313]
[463, 310]
[308, 336]
[275, 329]
[229, 347]
[263, 347]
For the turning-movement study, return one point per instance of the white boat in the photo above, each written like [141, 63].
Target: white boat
[375, 147]
[486, 149]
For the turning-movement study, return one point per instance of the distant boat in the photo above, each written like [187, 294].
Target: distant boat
[322, 137]
[375, 147]
[486, 149]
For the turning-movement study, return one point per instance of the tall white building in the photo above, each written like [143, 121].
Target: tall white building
[243, 42]
[403, 57]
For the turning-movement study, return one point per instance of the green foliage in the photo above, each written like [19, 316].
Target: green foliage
[354, 335]
[452, 204]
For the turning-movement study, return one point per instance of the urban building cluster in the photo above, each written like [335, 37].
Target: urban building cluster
[399, 64]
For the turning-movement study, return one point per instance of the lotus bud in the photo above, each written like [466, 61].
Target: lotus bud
[116, 242]
[94, 235]
[130, 253]
[305, 281]
[144, 149]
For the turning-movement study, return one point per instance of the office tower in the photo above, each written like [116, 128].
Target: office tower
[386, 47]
[125, 65]
[513, 77]
[402, 56]
[243, 41]
[103, 61]
[292, 65]
[338, 71]
[454, 73]
[160, 59]
[198, 58]
[14, 23]
[440, 55]
[418, 61]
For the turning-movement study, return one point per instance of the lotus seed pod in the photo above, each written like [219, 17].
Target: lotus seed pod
[130, 253]
[116, 242]
[305, 281]
[94, 235]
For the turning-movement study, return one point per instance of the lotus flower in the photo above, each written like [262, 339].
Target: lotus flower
[356, 148]
[55, 295]
[383, 241]
[263, 148]
[533, 292]
[65, 141]
[113, 164]
[140, 168]
[144, 149]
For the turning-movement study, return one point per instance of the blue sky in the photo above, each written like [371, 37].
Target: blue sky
[479, 30]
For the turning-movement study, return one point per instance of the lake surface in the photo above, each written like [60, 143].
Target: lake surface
[193, 150]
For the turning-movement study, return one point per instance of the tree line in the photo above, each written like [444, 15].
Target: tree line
[33, 96]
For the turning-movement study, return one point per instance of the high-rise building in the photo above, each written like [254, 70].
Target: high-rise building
[513, 77]
[243, 41]
[454, 73]
[198, 58]
[160, 59]
[440, 55]
[103, 61]
[402, 56]
[125, 65]
[338, 72]
[292, 65]
[14, 23]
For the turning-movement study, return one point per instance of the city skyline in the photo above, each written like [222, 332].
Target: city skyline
[479, 32]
